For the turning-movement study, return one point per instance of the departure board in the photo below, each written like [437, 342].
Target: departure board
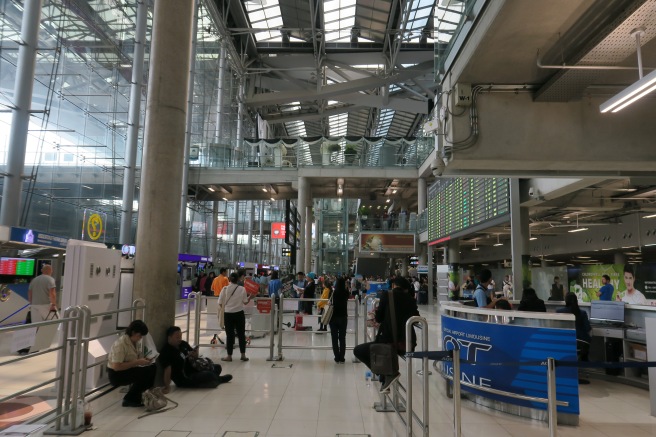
[455, 205]
[16, 266]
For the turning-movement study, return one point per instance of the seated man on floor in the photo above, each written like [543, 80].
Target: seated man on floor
[177, 359]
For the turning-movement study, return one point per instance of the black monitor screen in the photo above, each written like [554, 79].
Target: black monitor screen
[607, 311]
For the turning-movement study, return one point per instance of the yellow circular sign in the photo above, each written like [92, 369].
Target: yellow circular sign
[94, 226]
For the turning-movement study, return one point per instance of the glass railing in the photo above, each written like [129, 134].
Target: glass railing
[422, 221]
[282, 155]
[380, 223]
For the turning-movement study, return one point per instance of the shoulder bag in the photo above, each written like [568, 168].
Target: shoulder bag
[384, 356]
[221, 313]
[328, 310]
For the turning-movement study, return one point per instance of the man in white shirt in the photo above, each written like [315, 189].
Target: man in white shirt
[42, 294]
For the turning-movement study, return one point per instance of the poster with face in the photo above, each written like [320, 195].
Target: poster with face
[632, 283]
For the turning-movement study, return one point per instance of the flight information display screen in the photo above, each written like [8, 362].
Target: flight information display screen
[455, 205]
[17, 266]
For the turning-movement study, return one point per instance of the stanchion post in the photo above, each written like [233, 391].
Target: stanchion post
[280, 320]
[272, 327]
[188, 316]
[357, 336]
[457, 412]
[197, 307]
[62, 366]
[426, 370]
[551, 397]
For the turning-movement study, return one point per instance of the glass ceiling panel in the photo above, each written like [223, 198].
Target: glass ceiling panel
[266, 18]
[338, 124]
[384, 122]
[339, 19]
[418, 19]
[448, 16]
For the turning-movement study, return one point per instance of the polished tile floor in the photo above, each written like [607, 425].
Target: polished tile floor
[317, 397]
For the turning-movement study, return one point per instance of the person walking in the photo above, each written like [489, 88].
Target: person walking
[325, 295]
[232, 301]
[42, 296]
[220, 282]
[207, 285]
[339, 320]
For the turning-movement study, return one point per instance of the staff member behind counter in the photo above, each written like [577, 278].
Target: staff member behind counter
[480, 295]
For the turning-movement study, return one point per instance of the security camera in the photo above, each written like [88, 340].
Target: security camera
[437, 167]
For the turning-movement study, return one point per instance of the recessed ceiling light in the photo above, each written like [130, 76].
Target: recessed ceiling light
[393, 191]
[224, 199]
[584, 257]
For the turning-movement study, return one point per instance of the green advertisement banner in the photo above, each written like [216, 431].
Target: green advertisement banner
[633, 284]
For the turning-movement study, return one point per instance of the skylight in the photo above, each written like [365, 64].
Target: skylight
[384, 122]
[339, 19]
[266, 18]
[418, 19]
[448, 16]
[338, 124]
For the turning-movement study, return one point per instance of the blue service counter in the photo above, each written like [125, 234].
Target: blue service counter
[510, 337]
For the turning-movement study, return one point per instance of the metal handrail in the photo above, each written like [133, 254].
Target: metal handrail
[409, 327]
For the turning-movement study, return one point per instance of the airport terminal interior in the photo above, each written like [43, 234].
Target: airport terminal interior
[498, 154]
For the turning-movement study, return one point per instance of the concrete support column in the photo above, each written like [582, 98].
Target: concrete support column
[261, 240]
[161, 173]
[452, 258]
[317, 225]
[235, 233]
[308, 235]
[421, 195]
[424, 249]
[303, 190]
[249, 250]
[404, 266]
[520, 236]
[20, 113]
[431, 273]
[213, 229]
[241, 112]
[134, 116]
[619, 258]
[184, 188]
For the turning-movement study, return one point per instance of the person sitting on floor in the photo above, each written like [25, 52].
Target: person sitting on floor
[175, 357]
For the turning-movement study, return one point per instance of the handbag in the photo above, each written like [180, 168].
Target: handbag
[154, 400]
[328, 310]
[384, 356]
[221, 312]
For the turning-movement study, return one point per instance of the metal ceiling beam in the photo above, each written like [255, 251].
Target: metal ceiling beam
[376, 101]
[310, 116]
[340, 88]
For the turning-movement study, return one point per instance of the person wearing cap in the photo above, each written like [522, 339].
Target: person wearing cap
[309, 293]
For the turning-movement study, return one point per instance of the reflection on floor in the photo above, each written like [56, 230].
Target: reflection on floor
[318, 397]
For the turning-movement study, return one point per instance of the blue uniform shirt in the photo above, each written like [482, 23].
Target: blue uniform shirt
[480, 297]
[606, 292]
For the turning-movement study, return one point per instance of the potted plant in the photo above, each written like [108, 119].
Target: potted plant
[363, 211]
[350, 152]
[328, 149]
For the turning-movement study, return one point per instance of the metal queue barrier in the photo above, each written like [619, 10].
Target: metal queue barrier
[369, 301]
[281, 312]
[551, 400]
[71, 369]
[194, 301]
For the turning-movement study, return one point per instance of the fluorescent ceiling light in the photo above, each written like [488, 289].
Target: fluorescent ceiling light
[393, 191]
[647, 216]
[211, 189]
[387, 201]
[265, 190]
[224, 199]
[584, 257]
[273, 199]
[631, 94]
[533, 238]
[578, 230]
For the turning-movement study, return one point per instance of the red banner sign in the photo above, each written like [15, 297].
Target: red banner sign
[278, 230]
[264, 306]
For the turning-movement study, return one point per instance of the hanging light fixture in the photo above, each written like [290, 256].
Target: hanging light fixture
[636, 91]
[498, 243]
[475, 247]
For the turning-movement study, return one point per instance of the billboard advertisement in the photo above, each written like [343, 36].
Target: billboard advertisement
[633, 283]
[278, 230]
[387, 243]
[489, 343]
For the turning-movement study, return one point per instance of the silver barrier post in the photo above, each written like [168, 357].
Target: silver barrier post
[457, 412]
[272, 328]
[357, 336]
[551, 397]
[197, 308]
[280, 320]
[75, 367]
[136, 304]
[427, 372]
[188, 317]
[62, 366]
[84, 345]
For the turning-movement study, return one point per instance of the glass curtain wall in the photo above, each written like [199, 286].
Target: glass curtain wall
[78, 131]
